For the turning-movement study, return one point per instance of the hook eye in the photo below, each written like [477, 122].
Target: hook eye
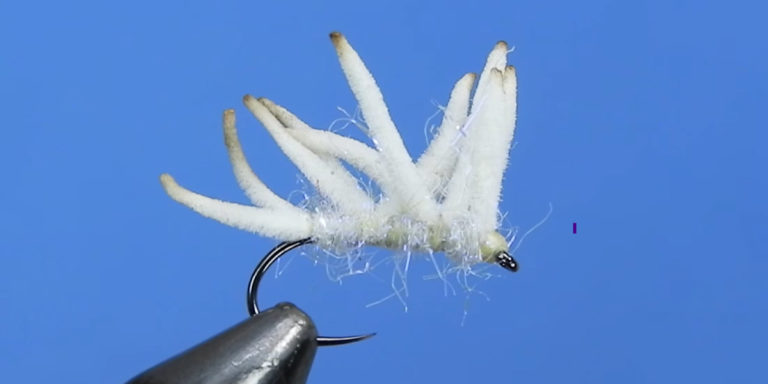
[506, 261]
[253, 286]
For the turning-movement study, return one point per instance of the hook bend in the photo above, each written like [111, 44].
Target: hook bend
[253, 287]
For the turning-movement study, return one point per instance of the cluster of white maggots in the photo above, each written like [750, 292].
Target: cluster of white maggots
[446, 201]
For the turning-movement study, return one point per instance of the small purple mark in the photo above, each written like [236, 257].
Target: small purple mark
[574, 228]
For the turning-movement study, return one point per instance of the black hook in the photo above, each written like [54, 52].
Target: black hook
[261, 269]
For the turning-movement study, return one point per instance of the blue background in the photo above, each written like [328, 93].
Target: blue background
[643, 121]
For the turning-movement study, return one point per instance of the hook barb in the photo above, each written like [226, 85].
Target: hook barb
[253, 287]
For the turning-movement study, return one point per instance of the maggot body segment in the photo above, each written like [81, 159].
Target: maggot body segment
[446, 201]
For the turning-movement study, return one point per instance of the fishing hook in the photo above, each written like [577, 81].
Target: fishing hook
[261, 269]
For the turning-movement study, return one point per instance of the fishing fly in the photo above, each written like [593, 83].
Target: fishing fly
[445, 201]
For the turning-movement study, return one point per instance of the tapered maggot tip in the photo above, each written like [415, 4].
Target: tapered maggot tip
[340, 43]
[170, 186]
[167, 180]
[501, 44]
[229, 117]
[470, 77]
[336, 36]
[506, 261]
